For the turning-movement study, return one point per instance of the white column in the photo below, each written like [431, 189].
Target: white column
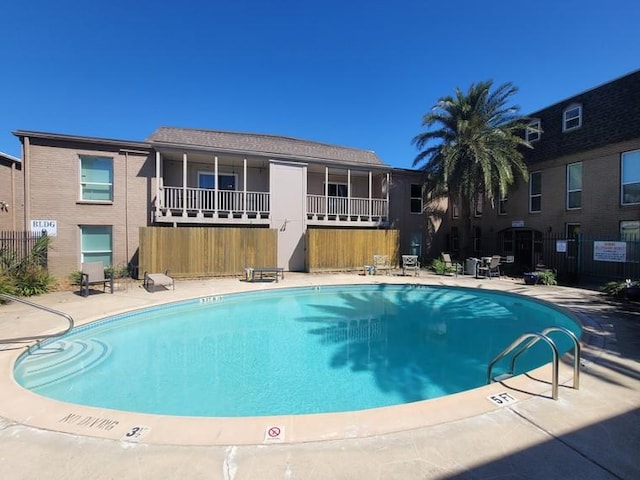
[370, 192]
[159, 192]
[215, 187]
[388, 188]
[184, 184]
[244, 195]
[326, 193]
[348, 194]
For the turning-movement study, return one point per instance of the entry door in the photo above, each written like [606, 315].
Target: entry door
[288, 191]
[524, 249]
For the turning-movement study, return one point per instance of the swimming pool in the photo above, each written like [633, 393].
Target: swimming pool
[290, 351]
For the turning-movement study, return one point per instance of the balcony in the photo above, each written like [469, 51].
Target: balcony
[325, 210]
[202, 205]
[206, 206]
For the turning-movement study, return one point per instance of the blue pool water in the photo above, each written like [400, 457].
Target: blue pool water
[291, 351]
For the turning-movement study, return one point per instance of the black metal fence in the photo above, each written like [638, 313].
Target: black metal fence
[18, 244]
[585, 259]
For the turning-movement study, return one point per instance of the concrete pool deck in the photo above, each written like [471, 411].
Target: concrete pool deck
[590, 433]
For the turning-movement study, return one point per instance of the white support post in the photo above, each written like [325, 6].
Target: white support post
[348, 194]
[388, 188]
[159, 199]
[184, 184]
[370, 192]
[326, 193]
[244, 195]
[215, 187]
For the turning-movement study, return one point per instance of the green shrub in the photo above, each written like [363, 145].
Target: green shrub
[25, 276]
[616, 288]
[438, 266]
[75, 277]
[547, 278]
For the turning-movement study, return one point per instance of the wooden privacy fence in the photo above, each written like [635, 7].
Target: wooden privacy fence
[348, 249]
[205, 251]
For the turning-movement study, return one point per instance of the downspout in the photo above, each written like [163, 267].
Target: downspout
[26, 177]
[126, 205]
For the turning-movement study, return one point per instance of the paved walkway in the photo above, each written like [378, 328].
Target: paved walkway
[590, 433]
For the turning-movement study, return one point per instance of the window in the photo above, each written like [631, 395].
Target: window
[455, 239]
[96, 241]
[416, 198]
[225, 181]
[630, 230]
[574, 185]
[477, 205]
[96, 178]
[477, 234]
[630, 176]
[533, 131]
[455, 210]
[572, 118]
[502, 206]
[338, 190]
[535, 192]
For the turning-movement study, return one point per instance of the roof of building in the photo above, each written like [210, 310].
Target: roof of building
[261, 144]
[610, 114]
[120, 144]
[10, 158]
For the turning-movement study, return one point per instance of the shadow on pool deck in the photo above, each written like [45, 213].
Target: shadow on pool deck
[590, 433]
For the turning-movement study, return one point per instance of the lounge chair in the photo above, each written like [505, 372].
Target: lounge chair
[492, 269]
[93, 274]
[153, 280]
[381, 264]
[410, 263]
[451, 266]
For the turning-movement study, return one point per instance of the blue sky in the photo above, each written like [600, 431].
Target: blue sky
[353, 73]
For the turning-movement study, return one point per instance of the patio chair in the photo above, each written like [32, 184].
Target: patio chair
[491, 269]
[451, 266]
[381, 264]
[93, 274]
[410, 263]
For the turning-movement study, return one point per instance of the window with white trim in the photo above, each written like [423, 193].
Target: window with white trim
[478, 204]
[226, 181]
[416, 198]
[533, 130]
[338, 190]
[630, 178]
[96, 244]
[574, 185]
[96, 178]
[535, 192]
[455, 209]
[502, 205]
[571, 117]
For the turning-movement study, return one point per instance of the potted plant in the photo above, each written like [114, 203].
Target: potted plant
[530, 278]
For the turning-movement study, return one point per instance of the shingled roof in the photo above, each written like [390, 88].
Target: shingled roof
[261, 144]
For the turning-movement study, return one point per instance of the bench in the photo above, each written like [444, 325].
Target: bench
[264, 273]
[153, 280]
[93, 274]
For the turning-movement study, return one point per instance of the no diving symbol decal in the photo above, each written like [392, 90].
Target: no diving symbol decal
[274, 434]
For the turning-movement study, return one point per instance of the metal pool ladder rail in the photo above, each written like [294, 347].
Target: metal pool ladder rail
[41, 307]
[528, 340]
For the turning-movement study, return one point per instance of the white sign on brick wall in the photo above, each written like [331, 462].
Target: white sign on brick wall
[49, 226]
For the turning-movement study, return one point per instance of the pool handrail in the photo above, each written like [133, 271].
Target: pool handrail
[68, 317]
[576, 352]
[518, 342]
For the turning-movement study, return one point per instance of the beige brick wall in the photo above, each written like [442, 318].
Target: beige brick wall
[11, 187]
[55, 192]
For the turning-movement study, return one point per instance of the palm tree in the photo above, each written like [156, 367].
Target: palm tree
[471, 149]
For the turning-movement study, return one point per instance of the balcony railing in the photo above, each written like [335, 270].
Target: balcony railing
[203, 202]
[191, 204]
[320, 207]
